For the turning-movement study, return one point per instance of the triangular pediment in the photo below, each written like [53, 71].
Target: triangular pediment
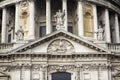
[84, 45]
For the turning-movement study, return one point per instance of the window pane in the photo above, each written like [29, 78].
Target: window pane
[42, 31]
[9, 38]
[54, 29]
[70, 29]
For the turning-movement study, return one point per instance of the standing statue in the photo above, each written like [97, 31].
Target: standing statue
[20, 34]
[100, 32]
[59, 18]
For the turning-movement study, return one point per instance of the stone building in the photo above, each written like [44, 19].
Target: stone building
[60, 40]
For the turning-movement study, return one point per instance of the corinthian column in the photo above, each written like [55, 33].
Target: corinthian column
[4, 26]
[95, 20]
[32, 22]
[80, 19]
[64, 7]
[107, 26]
[117, 28]
[48, 17]
[16, 18]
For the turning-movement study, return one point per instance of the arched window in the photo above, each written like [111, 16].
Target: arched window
[88, 20]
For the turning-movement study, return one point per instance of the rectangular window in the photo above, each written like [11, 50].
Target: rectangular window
[70, 29]
[42, 31]
[54, 29]
[9, 38]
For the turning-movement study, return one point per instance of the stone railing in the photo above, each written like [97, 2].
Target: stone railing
[114, 47]
[5, 46]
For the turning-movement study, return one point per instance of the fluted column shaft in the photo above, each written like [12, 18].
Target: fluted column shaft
[4, 26]
[16, 18]
[117, 28]
[95, 20]
[32, 22]
[48, 17]
[64, 7]
[80, 19]
[107, 27]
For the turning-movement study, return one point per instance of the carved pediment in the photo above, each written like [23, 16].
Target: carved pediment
[63, 45]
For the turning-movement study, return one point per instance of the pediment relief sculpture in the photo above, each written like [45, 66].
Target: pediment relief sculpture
[60, 46]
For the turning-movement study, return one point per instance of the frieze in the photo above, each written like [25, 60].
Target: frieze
[61, 68]
[89, 67]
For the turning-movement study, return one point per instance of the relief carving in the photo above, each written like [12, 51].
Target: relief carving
[60, 46]
[24, 6]
[61, 68]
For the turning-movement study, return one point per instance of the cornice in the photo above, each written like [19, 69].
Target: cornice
[8, 2]
[106, 4]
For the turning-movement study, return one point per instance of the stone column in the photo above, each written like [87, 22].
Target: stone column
[4, 26]
[107, 26]
[64, 7]
[16, 19]
[48, 17]
[95, 20]
[117, 29]
[32, 21]
[80, 19]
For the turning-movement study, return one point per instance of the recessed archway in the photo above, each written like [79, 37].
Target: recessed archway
[61, 76]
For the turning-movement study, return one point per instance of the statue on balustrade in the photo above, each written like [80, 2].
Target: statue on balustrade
[20, 34]
[59, 18]
[100, 35]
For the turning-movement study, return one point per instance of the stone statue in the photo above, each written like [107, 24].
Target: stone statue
[59, 18]
[20, 34]
[100, 32]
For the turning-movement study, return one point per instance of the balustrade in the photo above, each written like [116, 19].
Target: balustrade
[6, 46]
[115, 47]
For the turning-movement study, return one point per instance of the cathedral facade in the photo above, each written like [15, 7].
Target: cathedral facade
[60, 40]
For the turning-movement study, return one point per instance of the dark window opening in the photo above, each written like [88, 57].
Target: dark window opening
[70, 29]
[54, 29]
[42, 31]
[9, 38]
[61, 76]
